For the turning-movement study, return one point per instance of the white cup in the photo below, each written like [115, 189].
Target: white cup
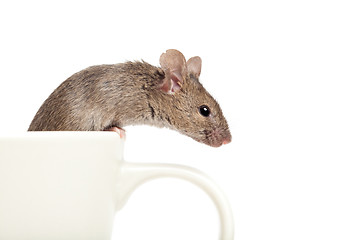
[69, 185]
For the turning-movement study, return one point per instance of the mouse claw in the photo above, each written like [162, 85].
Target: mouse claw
[118, 130]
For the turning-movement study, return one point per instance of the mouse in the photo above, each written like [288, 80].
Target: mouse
[109, 97]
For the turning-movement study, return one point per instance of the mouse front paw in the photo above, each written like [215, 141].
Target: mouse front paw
[118, 130]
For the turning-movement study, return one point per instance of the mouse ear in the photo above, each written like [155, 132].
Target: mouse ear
[194, 66]
[174, 65]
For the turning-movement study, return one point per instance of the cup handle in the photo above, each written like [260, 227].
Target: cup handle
[134, 174]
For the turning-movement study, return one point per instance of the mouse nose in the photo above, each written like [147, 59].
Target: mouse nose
[226, 141]
[227, 138]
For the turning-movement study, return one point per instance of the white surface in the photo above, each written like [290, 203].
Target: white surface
[70, 185]
[58, 185]
[285, 72]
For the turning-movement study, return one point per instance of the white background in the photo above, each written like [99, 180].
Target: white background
[286, 74]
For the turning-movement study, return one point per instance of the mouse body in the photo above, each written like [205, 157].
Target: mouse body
[104, 97]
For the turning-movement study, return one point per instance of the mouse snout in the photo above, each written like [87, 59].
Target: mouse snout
[226, 141]
[227, 138]
[218, 137]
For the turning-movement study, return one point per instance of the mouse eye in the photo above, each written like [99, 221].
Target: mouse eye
[204, 110]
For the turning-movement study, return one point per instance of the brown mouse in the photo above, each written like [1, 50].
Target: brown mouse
[105, 97]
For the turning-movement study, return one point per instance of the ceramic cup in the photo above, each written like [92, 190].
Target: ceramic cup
[70, 185]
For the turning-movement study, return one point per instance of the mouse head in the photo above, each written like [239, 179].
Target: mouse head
[194, 112]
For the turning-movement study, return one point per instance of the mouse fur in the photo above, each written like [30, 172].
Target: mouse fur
[135, 93]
